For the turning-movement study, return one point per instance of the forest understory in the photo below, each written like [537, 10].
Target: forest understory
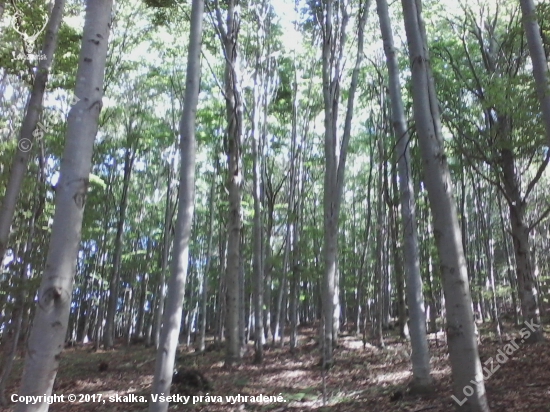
[363, 378]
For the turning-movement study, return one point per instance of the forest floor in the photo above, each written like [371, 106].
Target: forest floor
[363, 378]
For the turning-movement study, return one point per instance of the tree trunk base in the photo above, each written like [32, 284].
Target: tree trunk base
[535, 337]
[258, 359]
[420, 387]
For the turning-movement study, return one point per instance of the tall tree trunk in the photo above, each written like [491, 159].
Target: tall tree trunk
[378, 269]
[538, 60]
[279, 329]
[334, 39]
[296, 261]
[363, 264]
[420, 356]
[509, 265]
[267, 268]
[234, 112]
[54, 296]
[204, 291]
[398, 262]
[140, 312]
[487, 227]
[257, 236]
[166, 353]
[166, 242]
[520, 235]
[29, 131]
[222, 288]
[463, 350]
[110, 327]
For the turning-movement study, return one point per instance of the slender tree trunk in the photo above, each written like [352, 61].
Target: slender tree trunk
[363, 264]
[511, 279]
[222, 288]
[524, 267]
[520, 235]
[204, 291]
[398, 266]
[128, 307]
[166, 353]
[292, 218]
[54, 295]
[140, 322]
[257, 252]
[294, 283]
[378, 271]
[11, 337]
[267, 268]
[538, 60]
[110, 327]
[235, 177]
[420, 356]
[29, 130]
[166, 241]
[83, 309]
[20, 313]
[242, 299]
[278, 333]
[463, 350]
[296, 262]
[12, 343]
[334, 40]
[487, 225]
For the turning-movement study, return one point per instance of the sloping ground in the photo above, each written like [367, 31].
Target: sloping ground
[362, 379]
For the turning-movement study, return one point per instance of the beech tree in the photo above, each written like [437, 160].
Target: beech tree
[504, 137]
[29, 131]
[334, 17]
[539, 60]
[229, 35]
[463, 350]
[420, 356]
[132, 136]
[47, 337]
[171, 322]
[257, 249]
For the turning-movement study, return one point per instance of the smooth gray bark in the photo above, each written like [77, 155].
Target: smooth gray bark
[257, 235]
[29, 130]
[420, 357]
[166, 353]
[334, 40]
[296, 200]
[463, 350]
[378, 277]
[47, 336]
[268, 266]
[234, 111]
[166, 242]
[538, 60]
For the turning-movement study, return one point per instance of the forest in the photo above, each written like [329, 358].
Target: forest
[286, 205]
